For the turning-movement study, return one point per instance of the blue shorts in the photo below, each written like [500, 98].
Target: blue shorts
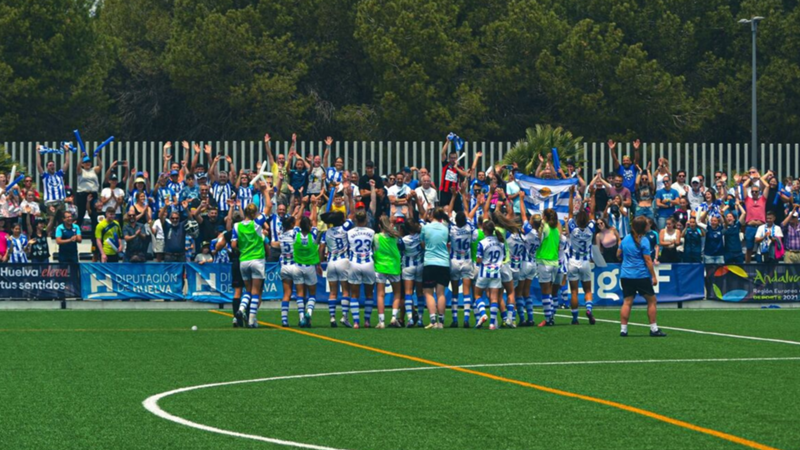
[750, 237]
[734, 259]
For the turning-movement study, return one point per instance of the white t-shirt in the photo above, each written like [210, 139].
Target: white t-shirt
[429, 196]
[34, 208]
[695, 198]
[675, 185]
[396, 191]
[158, 229]
[775, 231]
[112, 202]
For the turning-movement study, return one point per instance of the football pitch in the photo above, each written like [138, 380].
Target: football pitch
[113, 379]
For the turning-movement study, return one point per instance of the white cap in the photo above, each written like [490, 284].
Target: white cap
[695, 180]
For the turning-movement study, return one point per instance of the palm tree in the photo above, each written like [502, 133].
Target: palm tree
[7, 163]
[538, 141]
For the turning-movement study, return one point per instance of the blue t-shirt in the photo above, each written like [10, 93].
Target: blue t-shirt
[714, 244]
[666, 196]
[633, 265]
[435, 236]
[628, 176]
[733, 243]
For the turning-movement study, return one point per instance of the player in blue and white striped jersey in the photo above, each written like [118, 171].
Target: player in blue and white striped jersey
[528, 271]
[18, 245]
[244, 193]
[490, 256]
[462, 234]
[289, 269]
[412, 253]
[581, 234]
[52, 180]
[362, 267]
[336, 245]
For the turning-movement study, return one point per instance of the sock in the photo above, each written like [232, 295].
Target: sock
[310, 305]
[301, 309]
[354, 308]
[512, 312]
[589, 306]
[653, 327]
[420, 308]
[409, 303]
[368, 305]
[547, 304]
[434, 319]
[575, 314]
[481, 307]
[237, 303]
[345, 306]
[284, 311]
[332, 307]
[253, 306]
[467, 308]
[529, 308]
[381, 318]
[564, 296]
[454, 308]
[244, 302]
[493, 309]
[623, 328]
[395, 312]
[440, 318]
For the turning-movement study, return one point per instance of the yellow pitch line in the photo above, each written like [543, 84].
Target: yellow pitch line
[633, 409]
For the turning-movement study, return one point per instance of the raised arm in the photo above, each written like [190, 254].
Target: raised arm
[195, 158]
[571, 201]
[65, 166]
[167, 156]
[326, 157]
[38, 161]
[612, 147]
[444, 149]
[636, 144]
[270, 156]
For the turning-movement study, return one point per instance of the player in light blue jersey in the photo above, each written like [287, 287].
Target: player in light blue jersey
[581, 234]
[490, 256]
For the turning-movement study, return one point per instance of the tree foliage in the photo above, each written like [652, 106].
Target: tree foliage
[659, 70]
[538, 142]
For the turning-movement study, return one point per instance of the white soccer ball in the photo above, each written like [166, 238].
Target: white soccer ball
[194, 327]
[192, 228]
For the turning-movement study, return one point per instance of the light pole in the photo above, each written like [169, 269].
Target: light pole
[753, 22]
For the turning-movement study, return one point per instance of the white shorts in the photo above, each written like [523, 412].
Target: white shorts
[413, 273]
[361, 273]
[506, 273]
[337, 270]
[461, 268]
[383, 278]
[489, 283]
[548, 274]
[527, 270]
[158, 246]
[253, 270]
[288, 272]
[579, 271]
[517, 274]
[306, 275]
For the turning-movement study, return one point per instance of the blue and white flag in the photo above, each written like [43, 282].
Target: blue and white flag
[541, 194]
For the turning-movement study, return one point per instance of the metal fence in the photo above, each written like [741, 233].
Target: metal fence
[390, 157]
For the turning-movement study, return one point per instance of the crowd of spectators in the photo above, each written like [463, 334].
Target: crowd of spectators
[180, 213]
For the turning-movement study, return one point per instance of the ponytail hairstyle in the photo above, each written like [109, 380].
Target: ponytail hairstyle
[387, 227]
[361, 218]
[489, 230]
[550, 217]
[582, 219]
[411, 226]
[639, 229]
[461, 219]
[288, 223]
[505, 223]
[440, 214]
[251, 211]
[334, 219]
[305, 225]
[536, 221]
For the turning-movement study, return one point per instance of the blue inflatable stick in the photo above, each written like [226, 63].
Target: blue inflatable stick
[15, 182]
[556, 162]
[80, 141]
[100, 147]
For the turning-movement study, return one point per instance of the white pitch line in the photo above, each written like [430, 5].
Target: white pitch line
[687, 330]
[151, 403]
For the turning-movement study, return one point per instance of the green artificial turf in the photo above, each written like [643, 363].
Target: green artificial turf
[77, 380]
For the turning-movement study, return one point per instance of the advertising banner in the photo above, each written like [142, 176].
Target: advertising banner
[124, 281]
[36, 281]
[212, 283]
[676, 283]
[754, 283]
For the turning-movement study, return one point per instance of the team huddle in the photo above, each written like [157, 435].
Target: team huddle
[489, 255]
